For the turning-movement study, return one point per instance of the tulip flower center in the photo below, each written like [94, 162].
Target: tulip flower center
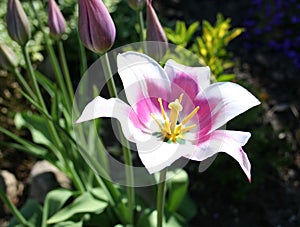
[171, 130]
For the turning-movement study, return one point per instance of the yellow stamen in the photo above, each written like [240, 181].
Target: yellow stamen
[162, 109]
[169, 128]
[167, 125]
[188, 128]
[180, 97]
[188, 117]
[156, 121]
[175, 108]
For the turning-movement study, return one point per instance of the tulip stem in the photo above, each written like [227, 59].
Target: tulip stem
[53, 132]
[13, 209]
[54, 61]
[125, 145]
[32, 77]
[82, 55]
[141, 23]
[65, 69]
[24, 84]
[161, 192]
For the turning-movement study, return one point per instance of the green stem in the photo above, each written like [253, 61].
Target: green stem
[141, 23]
[161, 197]
[50, 125]
[32, 77]
[108, 75]
[24, 84]
[54, 61]
[65, 69]
[58, 74]
[125, 145]
[115, 197]
[82, 55]
[13, 209]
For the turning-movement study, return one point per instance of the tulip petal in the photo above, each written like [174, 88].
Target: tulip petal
[199, 75]
[157, 155]
[115, 108]
[223, 102]
[230, 142]
[142, 77]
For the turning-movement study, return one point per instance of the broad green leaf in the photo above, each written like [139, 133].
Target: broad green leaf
[148, 218]
[188, 209]
[54, 201]
[85, 203]
[36, 125]
[25, 145]
[177, 186]
[69, 224]
[32, 211]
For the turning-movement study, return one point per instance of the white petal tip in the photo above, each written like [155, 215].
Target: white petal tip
[250, 180]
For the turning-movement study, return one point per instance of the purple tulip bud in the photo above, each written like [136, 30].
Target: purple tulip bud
[17, 22]
[96, 27]
[8, 59]
[56, 20]
[155, 32]
[136, 4]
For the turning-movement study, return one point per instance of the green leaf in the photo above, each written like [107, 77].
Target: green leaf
[69, 224]
[54, 201]
[32, 211]
[25, 145]
[85, 203]
[188, 209]
[46, 83]
[148, 218]
[177, 190]
[226, 77]
[191, 30]
[36, 125]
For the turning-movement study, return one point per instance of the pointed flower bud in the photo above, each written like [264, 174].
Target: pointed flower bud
[155, 32]
[96, 27]
[18, 26]
[136, 4]
[56, 20]
[8, 59]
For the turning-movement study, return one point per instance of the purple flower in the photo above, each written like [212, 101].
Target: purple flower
[96, 28]
[56, 20]
[17, 22]
[155, 32]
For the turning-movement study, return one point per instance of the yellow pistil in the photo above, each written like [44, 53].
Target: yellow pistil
[172, 131]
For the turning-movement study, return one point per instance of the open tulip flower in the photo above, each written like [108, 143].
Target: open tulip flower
[175, 112]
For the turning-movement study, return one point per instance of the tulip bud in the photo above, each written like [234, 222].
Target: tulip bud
[18, 26]
[56, 20]
[155, 32]
[8, 59]
[136, 4]
[95, 25]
